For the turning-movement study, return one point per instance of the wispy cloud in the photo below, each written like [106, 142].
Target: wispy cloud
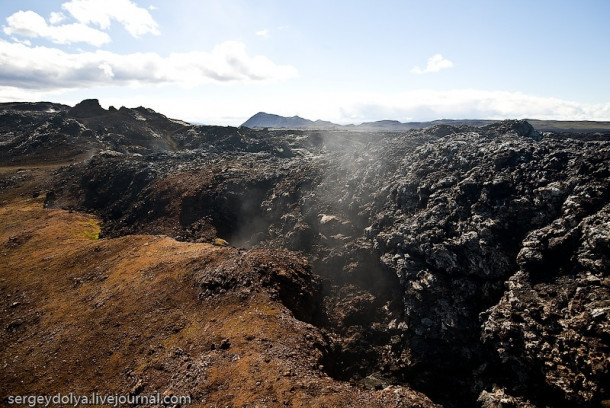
[44, 68]
[32, 25]
[265, 33]
[435, 64]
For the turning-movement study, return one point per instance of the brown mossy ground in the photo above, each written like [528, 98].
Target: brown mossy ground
[129, 315]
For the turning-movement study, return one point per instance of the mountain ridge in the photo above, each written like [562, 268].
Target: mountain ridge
[265, 120]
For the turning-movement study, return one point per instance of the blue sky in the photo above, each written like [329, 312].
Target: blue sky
[219, 62]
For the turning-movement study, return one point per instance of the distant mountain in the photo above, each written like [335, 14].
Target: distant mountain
[384, 125]
[268, 120]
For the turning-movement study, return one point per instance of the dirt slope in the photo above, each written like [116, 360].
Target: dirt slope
[143, 314]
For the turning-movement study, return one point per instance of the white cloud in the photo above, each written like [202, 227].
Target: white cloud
[56, 17]
[44, 68]
[227, 62]
[136, 20]
[32, 25]
[435, 64]
[263, 33]
[107, 70]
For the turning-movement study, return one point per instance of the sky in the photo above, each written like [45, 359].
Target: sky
[221, 61]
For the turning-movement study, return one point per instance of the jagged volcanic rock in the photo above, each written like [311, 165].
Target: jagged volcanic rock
[474, 212]
[87, 109]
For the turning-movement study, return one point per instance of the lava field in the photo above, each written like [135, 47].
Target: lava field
[453, 266]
